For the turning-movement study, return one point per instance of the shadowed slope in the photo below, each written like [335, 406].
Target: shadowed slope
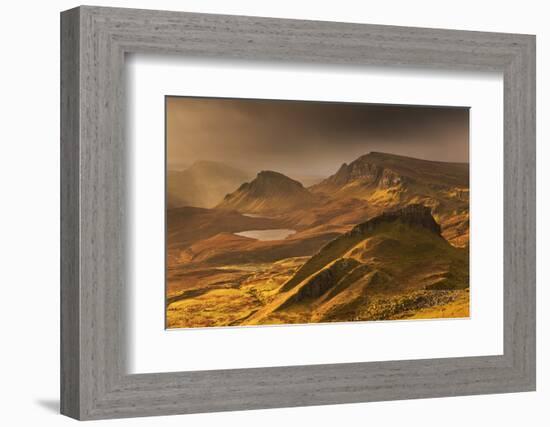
[396, 253]
[414, 215]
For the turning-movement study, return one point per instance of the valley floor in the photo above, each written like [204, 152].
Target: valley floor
[385, 237]
[232, 294]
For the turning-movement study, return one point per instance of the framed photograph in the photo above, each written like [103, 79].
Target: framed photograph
[291, 233]
[262, 213]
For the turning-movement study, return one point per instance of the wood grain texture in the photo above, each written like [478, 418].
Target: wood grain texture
[95, 383]
[70, 291]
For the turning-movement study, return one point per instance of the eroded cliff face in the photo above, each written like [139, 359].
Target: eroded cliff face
[365, 272]
[386, 182]
[413, 215]
[367, 172]
[390, 179]
[385, 237]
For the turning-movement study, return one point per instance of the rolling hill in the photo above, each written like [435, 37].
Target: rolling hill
[385, 237]
[382, 268]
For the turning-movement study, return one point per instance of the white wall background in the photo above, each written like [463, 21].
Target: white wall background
[29, 214]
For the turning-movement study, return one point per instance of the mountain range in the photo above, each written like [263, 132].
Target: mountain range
[368, 186]
[388, 181]
[384, 237]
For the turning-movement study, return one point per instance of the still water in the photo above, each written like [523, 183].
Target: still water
[274, 234]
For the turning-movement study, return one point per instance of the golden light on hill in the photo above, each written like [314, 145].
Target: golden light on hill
[285, 212]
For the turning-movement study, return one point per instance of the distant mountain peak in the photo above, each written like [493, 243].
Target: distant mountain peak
[273, 183]
[384, 170]
[272, 175]
[270, 192]
[379, 159]
[361, 168]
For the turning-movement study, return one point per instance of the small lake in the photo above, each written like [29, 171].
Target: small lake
[274, 234]
[253, 215]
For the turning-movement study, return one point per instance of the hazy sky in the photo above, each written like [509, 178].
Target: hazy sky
[308, 138]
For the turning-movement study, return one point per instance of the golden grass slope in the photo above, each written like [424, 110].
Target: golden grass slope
[373, 263]
[385, 237]
[394, 266]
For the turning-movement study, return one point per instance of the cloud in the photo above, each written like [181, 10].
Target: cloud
[310, 138]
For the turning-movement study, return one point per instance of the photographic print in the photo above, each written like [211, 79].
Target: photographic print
[297, 212]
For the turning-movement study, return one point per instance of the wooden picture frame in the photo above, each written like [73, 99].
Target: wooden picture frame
[94, 382]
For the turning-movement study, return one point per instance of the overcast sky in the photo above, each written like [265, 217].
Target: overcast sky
[308, 138]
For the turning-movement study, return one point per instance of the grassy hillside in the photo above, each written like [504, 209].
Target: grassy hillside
[382, 273]
[394, 266]
[385, 237]
[387, 181]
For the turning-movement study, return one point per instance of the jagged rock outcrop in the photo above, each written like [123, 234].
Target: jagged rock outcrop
[384, 181]
[390, 179]
[384, 170]
[414, 215]
[368, 170]
[324, 280]
[370, 262]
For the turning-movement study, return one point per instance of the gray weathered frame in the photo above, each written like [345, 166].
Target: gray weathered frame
[94, 41]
